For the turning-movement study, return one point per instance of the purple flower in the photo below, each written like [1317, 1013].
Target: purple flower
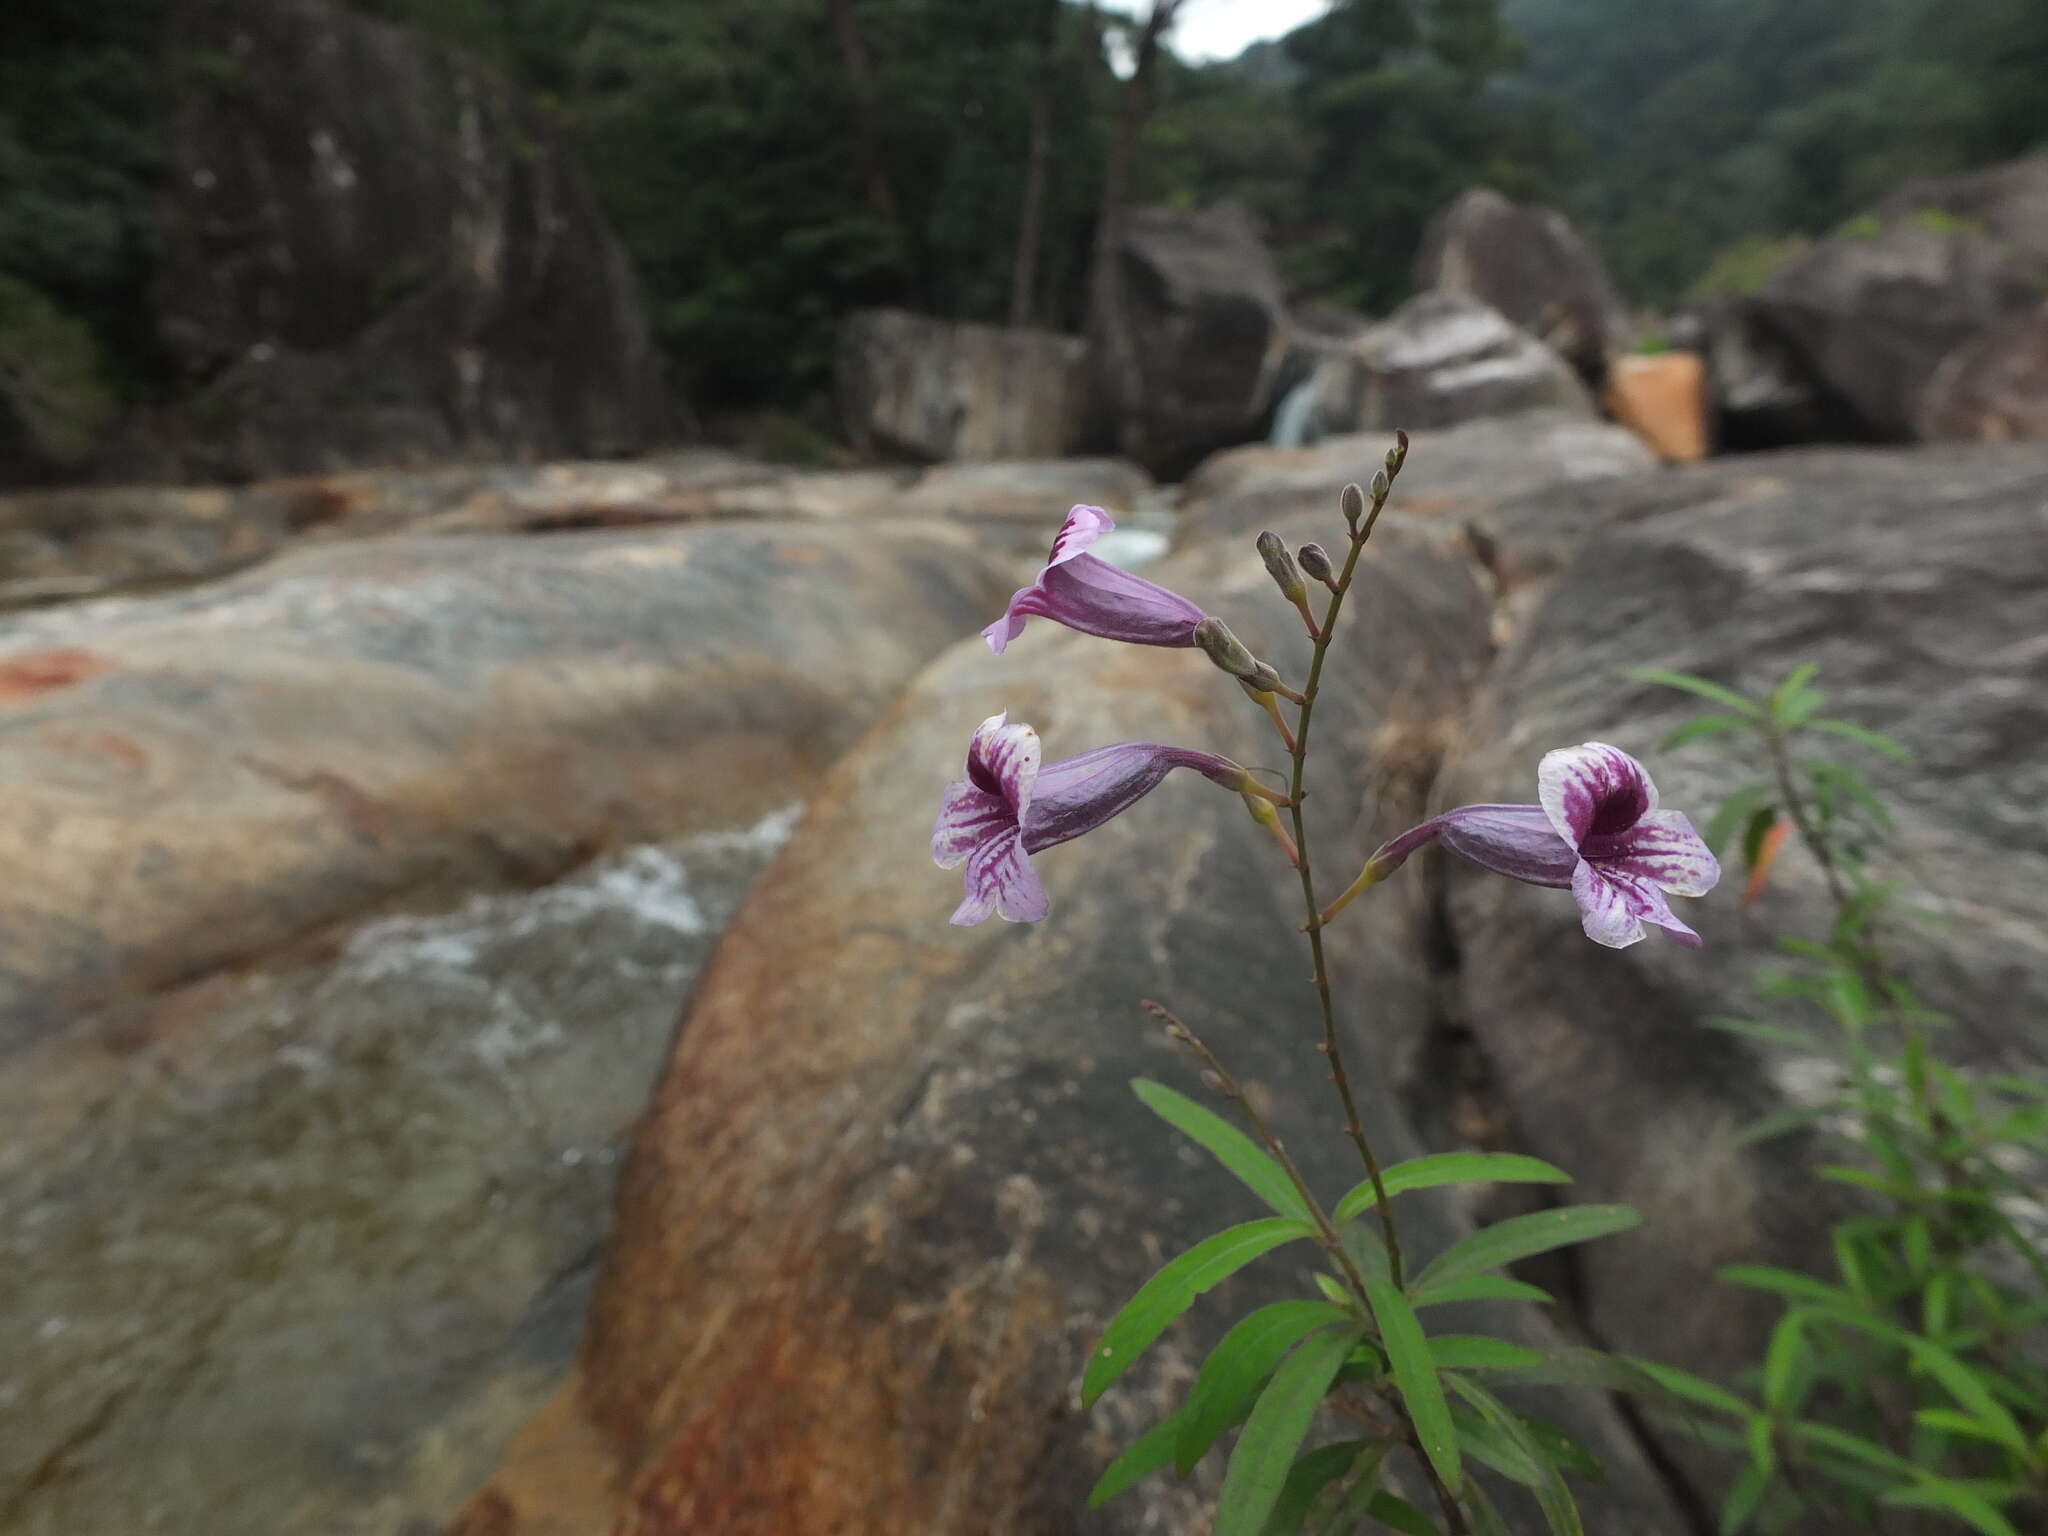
[1089, 594]
[1008, 808]
[1597, 831]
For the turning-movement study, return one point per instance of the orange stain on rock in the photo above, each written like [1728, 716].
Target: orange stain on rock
[39, 672]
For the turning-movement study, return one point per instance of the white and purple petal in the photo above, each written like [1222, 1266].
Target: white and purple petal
[1084, 525]
[1001, 881]
[968, 817]
[1593, 790]
[1662, 849]
[1002, 759]
[1604, 909]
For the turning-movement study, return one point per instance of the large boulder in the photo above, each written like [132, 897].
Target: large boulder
[861, 1254]
[196, 779]
[350, 903]
[1919, 583]
[373, 251]
[929, 389]
[1869, 314]
[1992, 389]
[1439, 360]
[1208, 326]
[1528, 263]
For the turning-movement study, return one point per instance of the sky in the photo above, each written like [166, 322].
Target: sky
[1222, 29]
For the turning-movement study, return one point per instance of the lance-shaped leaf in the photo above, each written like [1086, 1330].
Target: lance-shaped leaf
[1444, 1168]
[1521, 1237]
[1173, 1290]
[1415, 1377]
[1236, 1368]
[1227, 1144]
[1140, 1459]
[1279, 1421]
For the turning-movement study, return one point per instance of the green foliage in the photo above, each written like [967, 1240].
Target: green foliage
[1732, 126]
[1274, 1369]
[1912, 1343]
[1746, 265]
[52, 388]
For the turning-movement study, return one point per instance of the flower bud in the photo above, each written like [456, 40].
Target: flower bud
[1281, 567]
[1398, 454]
[1226, 650]
[1381, 485]
[1315, 561]
[1353, 503]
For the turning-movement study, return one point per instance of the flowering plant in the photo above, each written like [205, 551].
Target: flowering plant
[1421, 1404]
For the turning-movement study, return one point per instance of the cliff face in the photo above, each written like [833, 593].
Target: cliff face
[374, 251]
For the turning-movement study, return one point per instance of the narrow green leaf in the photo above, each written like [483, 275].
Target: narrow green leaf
[1781, 1122]
[1743, 1498]
[1307, 1478]
[1483, 1288]
[1960, 1500]
[1450, 1168]
[1479, 1441]
[1702, 726]
[1351, 1506]
[1415, 1376]
[1227, 1144]
[1399, 1515]
[1698, 687]
[1784, 1362]
[1761, 821]
[1486, 1520]
[1141, 1458]
[1949, 1422]
[1173, 1290]
[1785, 1282]
[1771, 1034]
[1862, 736]
[1520, 1237]
[1230, 1378]
[1476, 1352]
[1695, 1389]
[1264, 1452]
[1735, 811]
[1855, 1447]
[1560, 1511]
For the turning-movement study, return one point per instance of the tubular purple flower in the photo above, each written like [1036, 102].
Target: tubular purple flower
[1596, 832]
[1009, 807]
[1083, 592]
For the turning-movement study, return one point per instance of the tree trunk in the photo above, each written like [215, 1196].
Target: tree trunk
[1031, 219]
[1114, 355]
[867, 121]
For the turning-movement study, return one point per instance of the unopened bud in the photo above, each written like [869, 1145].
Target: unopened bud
[1263, 678]
[1315, 561]
[1214, 1082]
[1381, 485]
[1281, 567]
[1353, 503]
[1228, 652]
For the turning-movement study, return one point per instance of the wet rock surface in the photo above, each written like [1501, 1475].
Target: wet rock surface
[1919, 583]
[933, 1184]
[197, 779]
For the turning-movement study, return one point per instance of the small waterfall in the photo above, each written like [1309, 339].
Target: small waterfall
[1294, 421]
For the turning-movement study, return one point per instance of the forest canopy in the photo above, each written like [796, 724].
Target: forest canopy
[771, 164]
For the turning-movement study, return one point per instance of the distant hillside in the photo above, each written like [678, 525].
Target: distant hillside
[1705, 122]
